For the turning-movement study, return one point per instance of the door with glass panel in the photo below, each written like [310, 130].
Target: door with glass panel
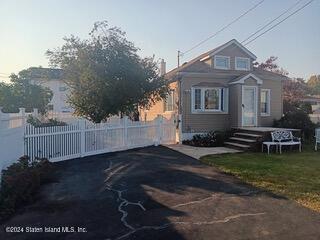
[249, 106]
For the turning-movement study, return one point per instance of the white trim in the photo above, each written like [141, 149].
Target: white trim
[269, 102]
[202, 101]
[242, 58]
[241, 80]
[227, 45]
[193, 110]
[255, 105]
[218, 67]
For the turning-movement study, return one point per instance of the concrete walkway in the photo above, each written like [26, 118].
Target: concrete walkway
[197, 152]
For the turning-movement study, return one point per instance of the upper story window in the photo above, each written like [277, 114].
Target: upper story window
[265, 102]
[242, 63]
[221, 62]
[169, 102]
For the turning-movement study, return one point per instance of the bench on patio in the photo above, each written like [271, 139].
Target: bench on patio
[317, 137]
[285, 138]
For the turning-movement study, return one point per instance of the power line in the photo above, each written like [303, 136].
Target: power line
[266, 25]
[269, 29]
[223, 28]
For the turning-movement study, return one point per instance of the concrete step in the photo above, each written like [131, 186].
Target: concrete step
[237, 145]
[248, 135]
[243, 139]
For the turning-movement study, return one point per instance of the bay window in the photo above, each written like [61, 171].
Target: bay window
[209, 99]
[212, 99]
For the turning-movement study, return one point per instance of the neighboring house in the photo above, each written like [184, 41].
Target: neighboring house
[315, 106]
[219, 90]
[53, 79]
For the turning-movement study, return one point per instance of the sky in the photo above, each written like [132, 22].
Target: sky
[30, 27]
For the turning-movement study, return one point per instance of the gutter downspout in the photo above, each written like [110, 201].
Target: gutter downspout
[179, 110]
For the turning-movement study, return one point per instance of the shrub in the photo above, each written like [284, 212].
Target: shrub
[48, 123]
[298, 119]
[210, 139]
[20, 182]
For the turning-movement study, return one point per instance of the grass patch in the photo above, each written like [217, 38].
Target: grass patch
[292, 174]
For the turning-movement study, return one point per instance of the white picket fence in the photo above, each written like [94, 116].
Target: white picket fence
[83, 138]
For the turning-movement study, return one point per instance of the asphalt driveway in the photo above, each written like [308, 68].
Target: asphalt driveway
[157, 193]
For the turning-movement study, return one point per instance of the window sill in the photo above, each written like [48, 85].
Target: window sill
[209, 112]
[242, 69]
[221, 68]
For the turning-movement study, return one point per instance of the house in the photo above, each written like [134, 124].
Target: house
[314, 101]
[53, 79]
[220, 90]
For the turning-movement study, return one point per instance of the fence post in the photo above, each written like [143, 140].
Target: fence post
[1, 113]
[159, 132]
[82, 124]
[35, 112]
[125, 131]
[22, 112]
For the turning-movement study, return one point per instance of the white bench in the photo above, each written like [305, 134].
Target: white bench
[285, 138]
[317, 137]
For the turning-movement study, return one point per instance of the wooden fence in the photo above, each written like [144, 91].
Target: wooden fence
[83, 138]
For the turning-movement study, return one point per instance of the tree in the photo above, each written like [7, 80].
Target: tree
[271, 65]
[105, 74]
[314, 84]
[22, 93]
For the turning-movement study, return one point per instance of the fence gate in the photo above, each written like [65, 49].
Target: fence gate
[83, 138]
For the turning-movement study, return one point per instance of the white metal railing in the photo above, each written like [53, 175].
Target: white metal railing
[83, 138]
[317, 138]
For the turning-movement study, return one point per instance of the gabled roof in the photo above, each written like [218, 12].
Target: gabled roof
[45, 73]
[208, 54]
[244, 77]
[233, 41]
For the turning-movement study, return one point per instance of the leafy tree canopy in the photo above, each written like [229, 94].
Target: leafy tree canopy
[105, 74]
[314, 84]
[22, 93]
[271, 65]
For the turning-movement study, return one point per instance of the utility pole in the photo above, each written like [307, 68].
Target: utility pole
[179, 53]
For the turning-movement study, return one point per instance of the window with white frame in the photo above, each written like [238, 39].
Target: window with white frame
[242, 63]
[197, 99]
[265, 102]
[221, 62]
[209, 99]
[169, 102]
[212, 99]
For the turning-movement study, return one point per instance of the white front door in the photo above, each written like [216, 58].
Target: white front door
[249, 106]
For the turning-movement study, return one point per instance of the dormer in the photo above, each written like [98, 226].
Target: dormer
[230, 56]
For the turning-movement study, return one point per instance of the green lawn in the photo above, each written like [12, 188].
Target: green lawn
[292, 174]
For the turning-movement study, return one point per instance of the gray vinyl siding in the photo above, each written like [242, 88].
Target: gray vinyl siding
[204, 122]
[232, 52]
[204, 72]
[276, 103]
[201, 122]
[235, 105]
